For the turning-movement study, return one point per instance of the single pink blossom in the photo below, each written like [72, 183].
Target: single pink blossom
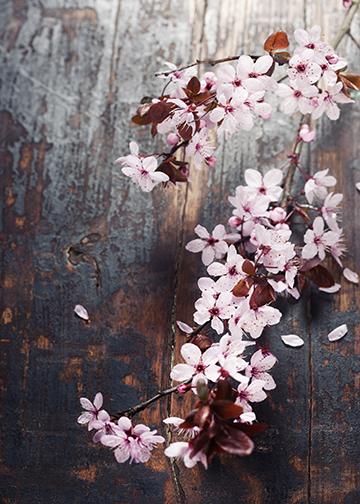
[302, 67]
[216, 310]
[296, 96]
[261, 362]
[328, 101]
[196, 364]
[93, 416]
[250, 392]
[211, 245]
[132, 442]
[182, 450]
[306, 134]
[316, 186]
[317, 240]
[266, 185]
[141, 170]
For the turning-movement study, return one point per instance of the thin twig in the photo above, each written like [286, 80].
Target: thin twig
[211, 62]
[346, 24]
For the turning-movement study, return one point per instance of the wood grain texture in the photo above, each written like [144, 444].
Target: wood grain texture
[73, 231]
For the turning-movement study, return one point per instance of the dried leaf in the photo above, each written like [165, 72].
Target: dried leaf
[248, 267]
[159, 111]
[263, 294]
[242, 288]
[282, 57]
[202, 341]
[194, 85]
[81, 312]
[226, 409]
[276, 41]
[321, 276]
[350, 275]
[338, 333]
[292, 340]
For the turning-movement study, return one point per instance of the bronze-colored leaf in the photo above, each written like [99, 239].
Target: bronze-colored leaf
[185, 131]
[235, 441]
[262, 295]
[276, 41]
[141, 120]
[226, 409]
[281, 57]
[202, 341]
[159, 111]
[248, 267]
[194, 85]
[242, 288]
[321, 276]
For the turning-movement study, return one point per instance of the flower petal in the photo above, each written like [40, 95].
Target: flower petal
[292, 340]
[338, 333]
[350, 275]
[81, 312]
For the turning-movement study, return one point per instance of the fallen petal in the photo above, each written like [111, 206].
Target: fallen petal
[330, 290]
[81, 312]
[292, 340]
[338, 333]
[352, 276]
[184, 327]
[357, 186]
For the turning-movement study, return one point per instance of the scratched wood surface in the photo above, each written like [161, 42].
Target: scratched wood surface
[73, 231]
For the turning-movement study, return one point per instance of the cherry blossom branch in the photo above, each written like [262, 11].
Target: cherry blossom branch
[130, 412]
[211, 62]
[346, 24]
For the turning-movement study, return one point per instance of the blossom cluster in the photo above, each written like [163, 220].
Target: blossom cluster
[234, 98]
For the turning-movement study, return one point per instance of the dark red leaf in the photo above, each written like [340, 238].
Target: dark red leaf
[242, 287]
[223, 391]
[159, 111]
[263, 294]
[254, 429]
[226, 409]
[185, 131]
[281, 57]
[202, 341]
[194, 85]
[276, 41]
[141, 120]
[248, 267]
[321, 276]
[235, 441]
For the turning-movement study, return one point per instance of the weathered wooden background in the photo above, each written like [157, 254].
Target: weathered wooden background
[73, 231]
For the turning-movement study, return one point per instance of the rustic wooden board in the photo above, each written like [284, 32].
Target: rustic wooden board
[73, 231]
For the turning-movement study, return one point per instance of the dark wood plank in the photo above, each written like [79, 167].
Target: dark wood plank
[335, 410]
[72, 231]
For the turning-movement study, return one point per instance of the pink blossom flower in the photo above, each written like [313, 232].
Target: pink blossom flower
[231, 272]
[296, 96]
[328, 100]
[330, 209]
[228, 366]
[266, 185]
[347, 3]
[93, 416]
[302, 67]
[182, 450]
[231, 79]
[216, 310]
[317, 240]
[141, 170]
[196, 364]
[210, 245]
[306, 134]
[310, 39]
[250, 209]
[253, 321]
[208, 81]
[200, 148]
[316, 186]
[134, 443]
[261, 362]
[178, 80]
[231, 113]
[250, 392]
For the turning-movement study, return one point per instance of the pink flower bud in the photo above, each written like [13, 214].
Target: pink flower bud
[210, 161]
[172, 139]
[278, 214]
[234, 221]
[183, 388]
[306, 134]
